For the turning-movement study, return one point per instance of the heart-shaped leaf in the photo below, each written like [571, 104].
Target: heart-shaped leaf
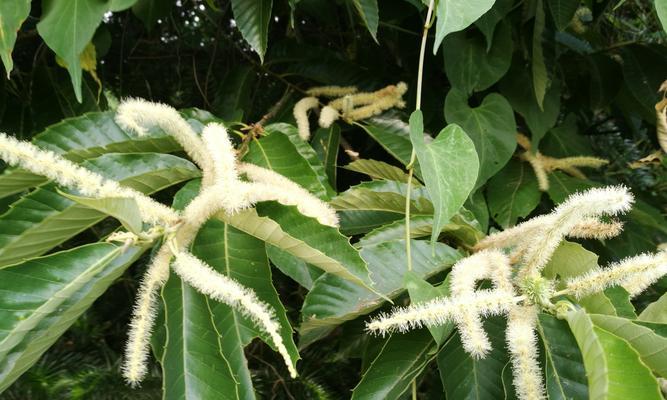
[450, 168]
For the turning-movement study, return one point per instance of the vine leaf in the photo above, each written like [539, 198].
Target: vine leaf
[563, 11]
[512, 193]
[379, 170]
[491, 126]
[12, 15]
[449, 165]
[68, 40]
[456, 15]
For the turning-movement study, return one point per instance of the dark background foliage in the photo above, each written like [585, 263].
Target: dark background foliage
[188, 53]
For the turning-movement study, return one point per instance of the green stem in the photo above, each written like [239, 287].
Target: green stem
[413, 155]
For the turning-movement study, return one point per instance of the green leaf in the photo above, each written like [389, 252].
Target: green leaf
[309, 153]
[361, 210]
[470, 67]
[450, 168]
[292, 266]
[642, 66]
[252, 18]
[326, 143]
[120, 5]
[275, 151]
[652, 347]
[243, 258]
[564, 371]
[124, 209]
[402, 359]
[379, 170]
[456, 15]
[368, 10]
[193, 365]
[394, 136]
[421, 291]
[661, 10]
[286, 228]
[488, 22]
[44, 219]
[12, 15]
[620, 298]
[571, 259]
[68, 40]
[465, 377]
[539, 68]
[43, 297]
[232, 98]
[86, 136]
[513, 193]
[149, 11]
[656, 311]
[563, 11]
[333, 300]
[613, 367]
[518, 89]
[491, 127]
[420, 226]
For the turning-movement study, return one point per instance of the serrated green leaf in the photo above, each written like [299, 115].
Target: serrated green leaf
[491, 126]
[252, 18]
[465, 377]
[470, 67]
[193, 365]
[277, 152]
[333, 300]
[361, 210]
[613, 367]
[564, 372]
[421, 291]
[571, 259]
[402, 359]
[44, 219]
[68, 40]
[286, 228]
[368, 10]
[42, 297]
[309, 153]
[379, 170]
[620, 298]
[656, 311]
[243, 258]
[12, 15]
[394, 136]
[292, 266]
[539, 68]
[652, 347]
[450, 168]
[124, 209]
[326, 143]
[513, 193]
[456, 15]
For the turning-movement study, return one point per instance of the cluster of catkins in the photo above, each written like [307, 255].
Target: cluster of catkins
[513, 261]
[543, 165]
[347, 103]
[223, 191]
